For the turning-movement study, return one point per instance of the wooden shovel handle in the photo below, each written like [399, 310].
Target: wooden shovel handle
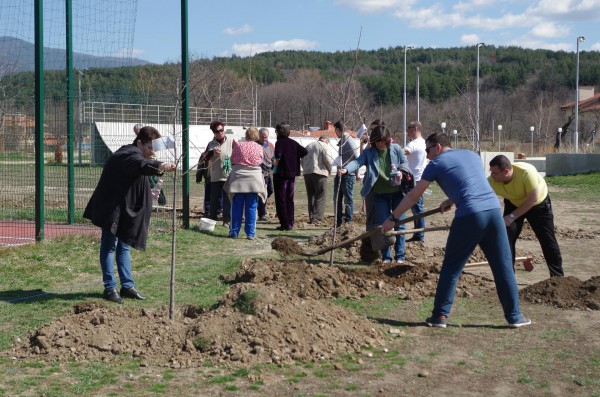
[418, 216]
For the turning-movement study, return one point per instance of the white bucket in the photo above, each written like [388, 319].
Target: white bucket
[207, 224]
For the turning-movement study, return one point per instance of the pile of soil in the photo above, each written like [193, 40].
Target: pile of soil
[565, 292]
[254, 324]
[562, 233]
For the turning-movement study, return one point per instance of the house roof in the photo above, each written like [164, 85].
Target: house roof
[589, 105]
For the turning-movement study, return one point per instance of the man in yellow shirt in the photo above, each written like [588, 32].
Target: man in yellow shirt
[526, 196]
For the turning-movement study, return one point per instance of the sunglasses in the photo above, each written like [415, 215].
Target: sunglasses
[219, 131]
[427, 149]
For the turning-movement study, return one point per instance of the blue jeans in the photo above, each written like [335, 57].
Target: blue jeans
[243, 205]
[487, 230]
[110, 248]
[347, 195]
[419, 223]
[379, 208]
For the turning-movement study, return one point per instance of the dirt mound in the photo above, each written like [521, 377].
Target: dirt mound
[565, 292]
[562, 233]
[254, 324]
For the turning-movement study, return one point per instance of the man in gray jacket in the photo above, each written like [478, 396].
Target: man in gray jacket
[316, 166]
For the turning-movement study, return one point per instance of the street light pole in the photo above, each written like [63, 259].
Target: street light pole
[499, 136]
[532, 128]
[477, 105]
[443, 127]
[559, 138]
[406, 48]
[580, 39]
[455, 139]
[418, 97]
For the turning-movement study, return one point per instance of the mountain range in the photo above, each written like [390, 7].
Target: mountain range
[17, 55]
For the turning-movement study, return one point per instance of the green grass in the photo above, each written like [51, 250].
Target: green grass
[582, 187]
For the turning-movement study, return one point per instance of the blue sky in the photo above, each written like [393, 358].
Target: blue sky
[246, 27]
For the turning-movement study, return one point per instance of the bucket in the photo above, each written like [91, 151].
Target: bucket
[207, 224]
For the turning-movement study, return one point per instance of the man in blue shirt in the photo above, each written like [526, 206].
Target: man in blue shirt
[478, 221]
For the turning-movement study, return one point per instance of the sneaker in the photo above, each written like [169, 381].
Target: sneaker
[523, 321]
[250, 237]
[399, 261]
[386, 261]
[282, 229]
[415, 239]
[438, 322]
[263, 218]
[226, 223]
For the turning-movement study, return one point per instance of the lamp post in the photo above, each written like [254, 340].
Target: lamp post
[559, 138]
[532, 128]
[455, 138]
[443, 125]
[406, 48]
[477, 103]
[499, 136]
[580, 39]
[418, 97]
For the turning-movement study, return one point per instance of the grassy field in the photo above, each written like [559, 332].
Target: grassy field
[41, 282]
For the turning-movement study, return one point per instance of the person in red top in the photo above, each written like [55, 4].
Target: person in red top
[245, 184]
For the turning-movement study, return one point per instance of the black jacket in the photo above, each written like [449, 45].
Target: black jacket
[122, 201]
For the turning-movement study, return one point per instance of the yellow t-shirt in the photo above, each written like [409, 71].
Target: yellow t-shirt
[525, 179]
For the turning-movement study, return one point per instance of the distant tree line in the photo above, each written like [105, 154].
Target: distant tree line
[519, 88]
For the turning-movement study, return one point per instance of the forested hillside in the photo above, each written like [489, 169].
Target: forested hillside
[519, 88]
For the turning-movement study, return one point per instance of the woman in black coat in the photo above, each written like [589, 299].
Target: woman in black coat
[121, 206]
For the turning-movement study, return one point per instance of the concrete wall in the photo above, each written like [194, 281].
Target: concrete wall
[486, 157]
[538, 162]
[571, 164]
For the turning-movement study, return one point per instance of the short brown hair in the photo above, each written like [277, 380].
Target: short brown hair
[146, 134]
[216, 124]
[282, 129]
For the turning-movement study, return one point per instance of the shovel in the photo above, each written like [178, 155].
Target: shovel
[385, 240]
[380, 241]
[374, 234]
[527, 263]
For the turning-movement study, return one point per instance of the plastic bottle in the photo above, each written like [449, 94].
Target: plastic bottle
[394, 176]
[156, 191]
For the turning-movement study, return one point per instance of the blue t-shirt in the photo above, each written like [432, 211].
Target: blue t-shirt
[460, 175]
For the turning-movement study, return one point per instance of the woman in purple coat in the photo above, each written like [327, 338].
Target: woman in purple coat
[287, 167]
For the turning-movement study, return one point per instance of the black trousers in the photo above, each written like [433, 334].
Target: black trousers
[262, 205]
[541, 220]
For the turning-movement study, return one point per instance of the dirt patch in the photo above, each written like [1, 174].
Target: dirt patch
[254, 324]
[565, 292]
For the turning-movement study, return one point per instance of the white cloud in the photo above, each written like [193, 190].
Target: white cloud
[595, 46]
[567, 9]
[237, 31]
[249, 49]
[549, 30]
[469, 39]
[376, 6]
[465, 6]
[533, 43]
